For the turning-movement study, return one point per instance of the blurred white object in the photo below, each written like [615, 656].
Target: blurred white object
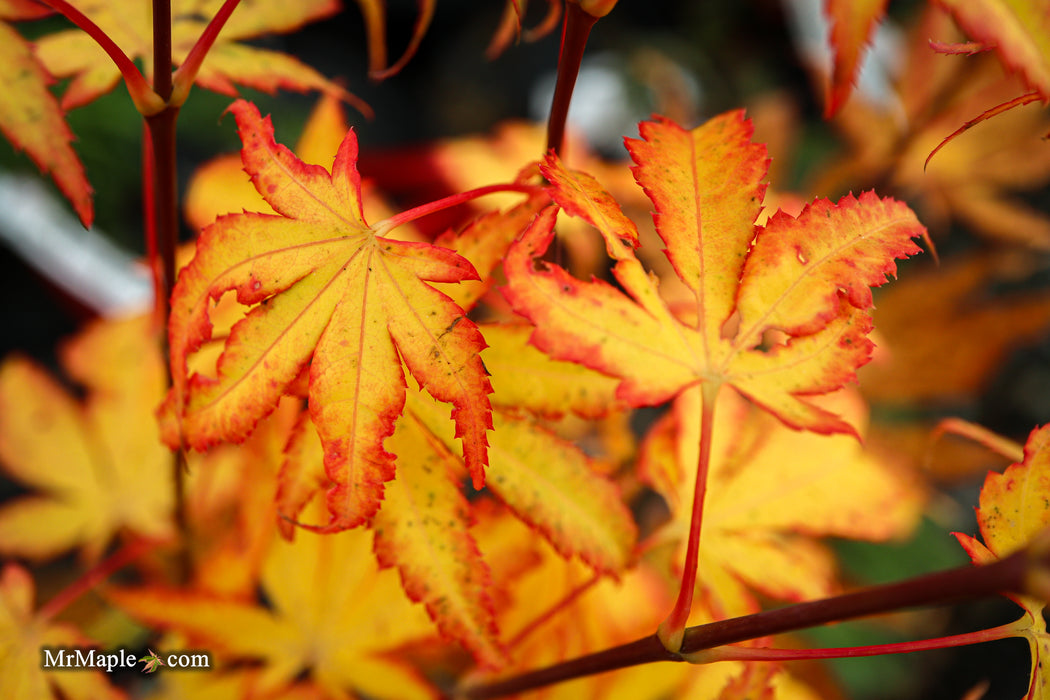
[40, 229]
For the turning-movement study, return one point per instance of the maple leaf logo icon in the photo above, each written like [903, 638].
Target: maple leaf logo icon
[152, 662]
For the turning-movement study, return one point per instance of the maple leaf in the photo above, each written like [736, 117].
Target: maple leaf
[422, 527]
[332, 295]
[74, 54]
[24, 633]
[547, 481]
[335, 619]
[220, 187]
[807, 277]
[852, 25]
[152, 662]
[1012, 511]
[756, 536]
[100, 467]
[30, 117]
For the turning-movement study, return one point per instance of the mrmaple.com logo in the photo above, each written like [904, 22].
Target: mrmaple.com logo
[81, 658]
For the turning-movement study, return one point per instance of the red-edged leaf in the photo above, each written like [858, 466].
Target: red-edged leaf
[806, 276]
[422, 529]
[327, 293]
[550, 484]
[1013, 510]
[32, 120]
[852, 24]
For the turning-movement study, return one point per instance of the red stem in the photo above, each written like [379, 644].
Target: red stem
[144, 97]
[447, 202]
[94, 576]
[672, 629]
[735, 653]
[149, 222]
[574, 33]
[187, 72]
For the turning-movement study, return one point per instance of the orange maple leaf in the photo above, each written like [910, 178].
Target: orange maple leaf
[30, 116]
[74, 54]
[422, 528]
[1012, 510]
[332, 295]
[808, 277]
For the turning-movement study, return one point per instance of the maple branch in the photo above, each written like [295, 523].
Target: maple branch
[381, 227]
[735, 653]
[94, 576]
[164, 227]
[672, 629]
[1025, 571]
[574, 33]
[146, 100]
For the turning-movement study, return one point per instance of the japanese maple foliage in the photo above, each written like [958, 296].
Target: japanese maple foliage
[358, 450]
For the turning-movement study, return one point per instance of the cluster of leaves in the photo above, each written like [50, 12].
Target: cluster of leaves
[337, 394]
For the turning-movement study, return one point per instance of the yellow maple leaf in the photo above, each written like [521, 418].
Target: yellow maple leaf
[334, 620]
[1013, 509]
[557, 610]
[74, 54]
[24, 635]
[100, 467]
[422, 527]
[756, 536]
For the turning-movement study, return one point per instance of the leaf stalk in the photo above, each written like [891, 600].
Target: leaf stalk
[409, 215]
[146, 99]
[672, 629]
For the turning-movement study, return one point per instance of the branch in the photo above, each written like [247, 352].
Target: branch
[1026, 571]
